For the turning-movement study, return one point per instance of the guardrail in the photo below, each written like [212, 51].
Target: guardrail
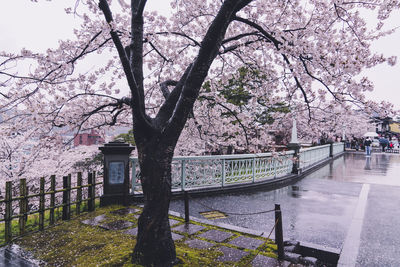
[219, 171]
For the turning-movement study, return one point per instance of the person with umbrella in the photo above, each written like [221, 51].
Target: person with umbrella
[367, 145]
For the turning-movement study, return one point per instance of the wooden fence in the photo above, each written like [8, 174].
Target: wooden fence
[47, 216]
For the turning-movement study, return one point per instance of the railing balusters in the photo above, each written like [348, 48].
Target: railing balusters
[183, 174]
[133, 175]
[223, 173]
[254, 170]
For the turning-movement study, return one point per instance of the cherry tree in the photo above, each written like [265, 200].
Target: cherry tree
[219, 71]
[24, 155]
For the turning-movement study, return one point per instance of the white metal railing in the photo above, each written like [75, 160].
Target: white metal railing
[222, 170]
[312, 155]
[337, 148]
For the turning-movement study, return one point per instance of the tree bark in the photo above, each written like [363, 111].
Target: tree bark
[155, 246]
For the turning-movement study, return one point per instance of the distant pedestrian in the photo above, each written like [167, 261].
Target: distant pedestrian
[367, 144]
[384, 143]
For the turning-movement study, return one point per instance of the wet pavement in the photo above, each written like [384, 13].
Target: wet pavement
[321, 208]
[13, 256]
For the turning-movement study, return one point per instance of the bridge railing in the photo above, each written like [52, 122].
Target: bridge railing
[337, 148]
[312, 155]
[222, 170]
[219, 171]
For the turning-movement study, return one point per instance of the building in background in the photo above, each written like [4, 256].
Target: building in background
[88, 139]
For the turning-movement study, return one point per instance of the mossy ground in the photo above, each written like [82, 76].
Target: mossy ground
[72, 243]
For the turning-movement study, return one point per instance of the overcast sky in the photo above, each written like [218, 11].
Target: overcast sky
[38, 26]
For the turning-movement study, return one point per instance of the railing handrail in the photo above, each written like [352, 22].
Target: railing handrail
[233, 156]
[338, 143]
[313, 148]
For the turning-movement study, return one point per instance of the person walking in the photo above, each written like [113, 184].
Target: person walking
[367, 145]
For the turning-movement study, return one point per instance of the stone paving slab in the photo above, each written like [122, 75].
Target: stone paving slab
[246, 242]
[200, 244]
[95, 221]
[189, 228]
[173, 222]
[216, 235]
[132, 231]
[263, 261]
[124, 211]
[231, 254]
[176, 237]
[116, 225]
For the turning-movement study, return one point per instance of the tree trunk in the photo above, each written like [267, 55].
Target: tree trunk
[155, 246]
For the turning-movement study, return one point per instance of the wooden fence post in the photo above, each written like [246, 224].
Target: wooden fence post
[91, 191]
[23, 206]
[41, 204]
[8, 213]
[94, 191]
[79, 193]
[66, 198]
[52, 198]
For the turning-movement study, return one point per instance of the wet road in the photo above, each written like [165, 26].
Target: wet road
[321, 208]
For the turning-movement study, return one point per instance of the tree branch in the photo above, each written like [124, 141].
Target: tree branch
[138, 109]
[208, 51]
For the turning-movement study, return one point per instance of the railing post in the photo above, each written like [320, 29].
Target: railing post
[223, 173]
[66, 198]
[279, 232]
[41, 204]
[23, 207]
[254, 170]
[8, 213]
[52, 198]
[133, 176]
[331, 149]
[79, 193]
[186, 199]
[183, 175]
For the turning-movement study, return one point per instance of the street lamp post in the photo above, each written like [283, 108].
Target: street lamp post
[295, 145]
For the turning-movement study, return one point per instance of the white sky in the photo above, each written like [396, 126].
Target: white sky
[38, 26]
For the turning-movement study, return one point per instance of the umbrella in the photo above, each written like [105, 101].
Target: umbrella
[383, 141]
[370, 134]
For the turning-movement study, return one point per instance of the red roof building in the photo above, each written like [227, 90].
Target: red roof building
[88, 139]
